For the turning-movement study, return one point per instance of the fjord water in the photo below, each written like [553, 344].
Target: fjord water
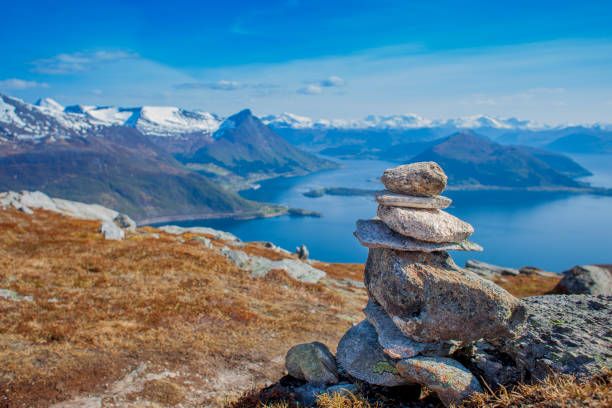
[552, 231]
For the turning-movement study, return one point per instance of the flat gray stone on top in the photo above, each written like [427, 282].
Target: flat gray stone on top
[376, 234]
[386, 197]
[423, 179]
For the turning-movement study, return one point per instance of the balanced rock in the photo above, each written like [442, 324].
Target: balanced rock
[398, 346]
[360, 355]
[425, 225]
[376, 234]
[430, 299]
[565, 334]
[390, 199]
[422, 179]
[586, 280]
[446, 377]
[312, 362]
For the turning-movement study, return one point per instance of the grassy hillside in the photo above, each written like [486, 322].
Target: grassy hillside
[121, 169]
[153, 321]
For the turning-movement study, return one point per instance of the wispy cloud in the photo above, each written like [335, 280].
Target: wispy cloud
[224, 85]
[77, 62]
[17, 84]
[332, 81]
[310, 90]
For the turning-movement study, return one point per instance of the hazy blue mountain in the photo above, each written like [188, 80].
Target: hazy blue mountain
[245, 146]
[474, 160]
[583, 143]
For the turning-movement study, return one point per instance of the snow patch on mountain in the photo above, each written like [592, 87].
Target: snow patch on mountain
[50, 104]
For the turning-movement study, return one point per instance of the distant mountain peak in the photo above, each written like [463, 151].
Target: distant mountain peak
[50, 104]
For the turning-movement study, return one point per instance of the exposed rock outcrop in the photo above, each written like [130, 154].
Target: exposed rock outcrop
[586, 280]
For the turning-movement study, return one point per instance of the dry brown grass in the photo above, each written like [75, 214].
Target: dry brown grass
[557, 391]
[527, 285]
[102, 307]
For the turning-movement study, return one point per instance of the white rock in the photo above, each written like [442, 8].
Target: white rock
[110, 230]
[390, 199]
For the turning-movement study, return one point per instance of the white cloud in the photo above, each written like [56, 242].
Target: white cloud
[77, 62]
[96, 91]
[310, 90]
[332, 81]
[222, 85]
[15, 83]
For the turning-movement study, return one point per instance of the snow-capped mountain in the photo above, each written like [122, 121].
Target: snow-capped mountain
[400, 122]
[151, 120]
[48, 118]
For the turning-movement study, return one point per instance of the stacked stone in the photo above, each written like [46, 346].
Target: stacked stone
[422, 307]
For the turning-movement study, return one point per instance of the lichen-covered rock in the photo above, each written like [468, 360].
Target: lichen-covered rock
[360, 356]
[563, 333]
[312, 362]
[398, 346]
[493, 365]
[422, 179]
[111, 231]
[390, 199]
[375, 234]
[586, 280]
[452, 382]
[431, 299]
[425, 225]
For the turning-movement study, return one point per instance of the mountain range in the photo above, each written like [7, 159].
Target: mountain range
[130, 159]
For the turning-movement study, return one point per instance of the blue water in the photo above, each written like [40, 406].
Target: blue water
[553, 231]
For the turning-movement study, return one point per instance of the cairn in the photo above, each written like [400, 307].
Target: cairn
[422, 307]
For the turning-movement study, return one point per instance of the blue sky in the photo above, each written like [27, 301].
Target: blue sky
[539, 60]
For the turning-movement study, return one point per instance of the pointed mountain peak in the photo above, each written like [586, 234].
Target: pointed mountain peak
[241, 116]
[50, 104]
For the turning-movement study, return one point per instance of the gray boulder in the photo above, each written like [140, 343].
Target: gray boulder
[312, 362]
[111, 231]
[451, 381]
[566, 334]
[360, 356]
[430, 299]
[423, 179]
[487, 270]
[425, 225]
[125, 222]
[398, 346]
[375, 234]
[586, 280]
